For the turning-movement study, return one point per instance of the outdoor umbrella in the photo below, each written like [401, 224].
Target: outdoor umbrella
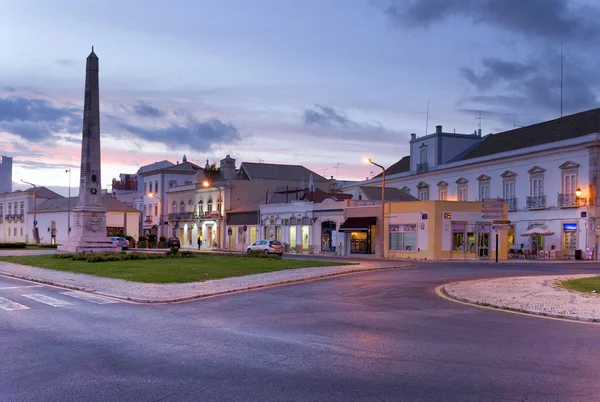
[537, 231]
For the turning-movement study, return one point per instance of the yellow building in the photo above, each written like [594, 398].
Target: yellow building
[431, 230]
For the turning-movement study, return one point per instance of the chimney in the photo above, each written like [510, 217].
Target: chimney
[178, 162]
[413, 136]
[479, 132]
[438, 129]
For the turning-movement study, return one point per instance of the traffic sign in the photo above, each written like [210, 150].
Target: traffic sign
[34, 223]
[493, 216]
[492, 205]
[501, 227]
[501, 222]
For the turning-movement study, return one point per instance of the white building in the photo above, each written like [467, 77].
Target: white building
[547, 173]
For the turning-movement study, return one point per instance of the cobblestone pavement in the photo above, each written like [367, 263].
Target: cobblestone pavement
[157, 293]
[531, 294]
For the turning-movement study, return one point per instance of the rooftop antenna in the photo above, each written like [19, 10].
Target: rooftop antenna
[427, 120]
[479, 118]
[325, 172]
[260, 160]
[561, 79]
[337, 170]
[517, 125]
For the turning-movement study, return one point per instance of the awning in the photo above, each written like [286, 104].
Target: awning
[358, 224]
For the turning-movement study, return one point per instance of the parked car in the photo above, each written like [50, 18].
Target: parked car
[120, 242]
[267, 247]
[173, 242]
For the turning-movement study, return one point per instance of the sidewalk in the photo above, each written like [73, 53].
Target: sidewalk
[173, 292]
[530, 294]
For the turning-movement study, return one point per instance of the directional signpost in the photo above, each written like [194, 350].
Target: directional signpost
[493, 208]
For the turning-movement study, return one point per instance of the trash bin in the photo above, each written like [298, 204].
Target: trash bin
[578, 254]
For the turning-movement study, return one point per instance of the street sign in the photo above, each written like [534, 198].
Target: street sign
[34, 223]
[492, 205]
[501, 222]
[501, 227]
[493, 216]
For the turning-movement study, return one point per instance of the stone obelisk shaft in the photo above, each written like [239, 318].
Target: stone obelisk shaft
[89, 233]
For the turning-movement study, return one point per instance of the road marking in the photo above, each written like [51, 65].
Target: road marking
[89, 297]
[19, 287]
[9, 305]
[51, 301]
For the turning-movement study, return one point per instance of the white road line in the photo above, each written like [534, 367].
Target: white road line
[9, 305]
[20, 287]
[89, 297]
[51, 301]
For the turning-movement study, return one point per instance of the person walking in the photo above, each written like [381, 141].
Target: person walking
[199, 241]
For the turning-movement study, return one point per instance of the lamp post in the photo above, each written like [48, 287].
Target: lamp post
[69, 204]
[35, 229]
[159, 231]
[369, 160]
[207, 184]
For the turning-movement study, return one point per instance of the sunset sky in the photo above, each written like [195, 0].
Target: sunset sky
[311, 82]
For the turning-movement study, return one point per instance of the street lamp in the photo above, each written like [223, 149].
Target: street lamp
[151, 195]
[69, 204]
[369, 160]
[207, 184]
[35, 229]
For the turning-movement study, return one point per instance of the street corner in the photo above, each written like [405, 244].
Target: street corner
[533, 295]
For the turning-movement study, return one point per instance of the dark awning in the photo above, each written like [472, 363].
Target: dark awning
[242, 218]
[358, 224]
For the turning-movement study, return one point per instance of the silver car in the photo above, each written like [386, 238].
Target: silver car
[267, 247]
[120, 242]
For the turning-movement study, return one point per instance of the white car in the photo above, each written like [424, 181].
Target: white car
[267, 247]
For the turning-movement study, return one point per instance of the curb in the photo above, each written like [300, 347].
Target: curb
[201, 296]
[441, 291]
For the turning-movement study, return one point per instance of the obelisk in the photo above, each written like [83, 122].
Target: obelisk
[89, 231]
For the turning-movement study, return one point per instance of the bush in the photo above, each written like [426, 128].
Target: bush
[104, 257]
[261, 254]
[13, 245]
[152, 237]
[142, 238]
[162, 239]
[47, 245]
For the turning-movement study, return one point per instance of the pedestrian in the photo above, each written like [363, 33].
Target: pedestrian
[199, 241]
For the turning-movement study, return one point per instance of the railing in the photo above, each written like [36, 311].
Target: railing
[570, 200]
[422, 167]
[8, 217]
[181, 216]
[512, 203]
[536, 202]
[148, 219]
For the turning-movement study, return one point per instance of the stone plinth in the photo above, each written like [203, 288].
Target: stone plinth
[89, 233]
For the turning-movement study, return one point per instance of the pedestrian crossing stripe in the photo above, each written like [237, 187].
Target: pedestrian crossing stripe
[89, 297]
[9, 305]
[51, 301]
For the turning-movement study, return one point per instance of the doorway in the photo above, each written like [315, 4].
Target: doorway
[483, 241]
[189, 236]
[209, 236]
[569, 243]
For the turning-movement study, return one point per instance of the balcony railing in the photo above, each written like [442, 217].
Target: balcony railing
[512, 203]
[536, 202]
[181, 216]
[148, 219]
[566, 200]
[422, 167]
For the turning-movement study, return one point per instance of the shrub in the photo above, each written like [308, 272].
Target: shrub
[142, 238]
[67, 256]
[162, 239]
[261, 254]
[13, 245]
[152, 237]
[47, 245]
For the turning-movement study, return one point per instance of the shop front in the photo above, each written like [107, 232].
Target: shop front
[360, 233]
[471, 240]
[569, 239]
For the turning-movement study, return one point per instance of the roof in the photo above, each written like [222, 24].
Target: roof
[564, 128]
[278, 196]
[274, 171]
[248, 207]
[62, 204]
[403, 165]
[184, 167]
[41, 192]
[391, 194]
[154, 166]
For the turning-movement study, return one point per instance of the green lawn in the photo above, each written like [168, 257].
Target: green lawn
[170, 270]
[583, 284]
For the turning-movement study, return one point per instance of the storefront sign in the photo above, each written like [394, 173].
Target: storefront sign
[569, 227]
[589, 251]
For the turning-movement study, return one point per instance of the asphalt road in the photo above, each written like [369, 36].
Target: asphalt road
[378, 336]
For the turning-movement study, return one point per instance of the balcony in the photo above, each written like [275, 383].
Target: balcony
[209, 215]
[147, 219]
[512, 203]
[422, 167]
[537, 202]
[8, 218]
[570, 200]
[181, 216]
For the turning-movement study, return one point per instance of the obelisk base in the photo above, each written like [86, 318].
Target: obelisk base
[89, 233]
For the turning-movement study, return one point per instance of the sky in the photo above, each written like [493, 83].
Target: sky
[321, 83]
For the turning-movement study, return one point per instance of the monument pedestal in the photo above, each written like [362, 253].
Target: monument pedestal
[89, 233]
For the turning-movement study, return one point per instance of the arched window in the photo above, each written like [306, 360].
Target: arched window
[174, 207]
[181, 207]
[209, 205]
[219, 205]
[190, 207]
[200, 207]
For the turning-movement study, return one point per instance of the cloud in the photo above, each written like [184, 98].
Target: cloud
[192, 133]
[36, 119]
[497, 70]
[28, 164]
[146, 110]
[67, 62]
[546, 19]
[326, 116]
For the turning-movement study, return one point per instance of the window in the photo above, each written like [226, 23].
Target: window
[509, 190]
[537, 187]
[423, 191]
[22, 206]
[172, 183]
[155, 209]
[442, 190]
[569, 183]
[200, 207]
[21, 232]
[219, 202]
[209, 205]
[156, 186]
[146, 188]
[181, 207]
[150, 187]
[423, 155]
[174, 207]
[463, 237]
[145, 210]
[15, 232]
[403, 237]
[484, 191]
[10, 208]
[461, 187]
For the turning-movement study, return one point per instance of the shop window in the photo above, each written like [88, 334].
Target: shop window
[328, 234]
[403, 237]
[463, 238]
